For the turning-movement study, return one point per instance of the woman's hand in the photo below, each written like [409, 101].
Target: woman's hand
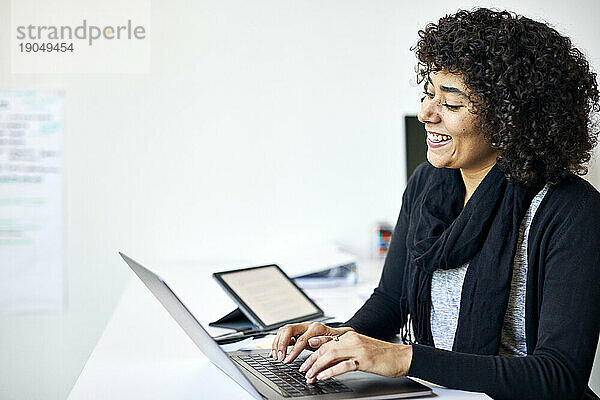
[298, 335]
[351, 352]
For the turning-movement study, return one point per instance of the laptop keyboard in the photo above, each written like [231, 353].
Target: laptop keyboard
[289, 379]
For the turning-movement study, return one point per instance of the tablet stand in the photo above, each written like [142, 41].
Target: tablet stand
[234, 320]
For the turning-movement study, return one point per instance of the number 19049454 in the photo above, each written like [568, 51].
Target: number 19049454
[46, 47]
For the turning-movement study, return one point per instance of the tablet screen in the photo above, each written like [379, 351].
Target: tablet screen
[268, 295]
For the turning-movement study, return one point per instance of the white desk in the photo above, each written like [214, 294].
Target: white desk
[144, 354]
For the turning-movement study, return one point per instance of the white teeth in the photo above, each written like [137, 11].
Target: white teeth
[434, 137]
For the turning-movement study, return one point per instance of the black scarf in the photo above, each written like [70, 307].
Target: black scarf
[443, 235]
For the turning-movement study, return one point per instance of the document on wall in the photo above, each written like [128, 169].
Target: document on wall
[31, 229]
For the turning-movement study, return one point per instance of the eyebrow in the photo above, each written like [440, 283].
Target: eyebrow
[451, 89]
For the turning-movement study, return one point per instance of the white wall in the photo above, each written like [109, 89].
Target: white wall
[262, 124]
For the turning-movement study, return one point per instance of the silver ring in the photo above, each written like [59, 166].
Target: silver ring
[355, 362]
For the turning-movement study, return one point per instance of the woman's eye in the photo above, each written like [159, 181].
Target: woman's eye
[427, 94]
[451, 107]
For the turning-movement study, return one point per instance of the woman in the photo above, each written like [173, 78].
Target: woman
[492, 277]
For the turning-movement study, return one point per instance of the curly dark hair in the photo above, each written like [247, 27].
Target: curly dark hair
[533, 92]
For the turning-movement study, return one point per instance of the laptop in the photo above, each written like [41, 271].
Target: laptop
[265, 378]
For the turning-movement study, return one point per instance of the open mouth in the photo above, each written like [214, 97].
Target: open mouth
[437, 138]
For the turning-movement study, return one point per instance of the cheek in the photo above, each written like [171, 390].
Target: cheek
[462, 126]
[455, 127]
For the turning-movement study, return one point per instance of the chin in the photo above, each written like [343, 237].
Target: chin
[435, 161]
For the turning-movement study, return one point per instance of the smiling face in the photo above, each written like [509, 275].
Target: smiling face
[454, 139]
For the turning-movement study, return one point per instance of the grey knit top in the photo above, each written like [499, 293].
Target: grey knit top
[446, 288]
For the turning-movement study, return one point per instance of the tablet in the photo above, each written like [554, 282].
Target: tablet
[267, 296]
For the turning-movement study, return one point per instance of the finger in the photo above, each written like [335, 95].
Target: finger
[312, 358]
[321, 364]
[282, 343]
[313, 379]
[300, 344]
[337, 369]
[308, 362]
[314, 329]
[273, 345]
[317, 341]
[327, 354]
[287, 332]
[273, 353]
[277, 339]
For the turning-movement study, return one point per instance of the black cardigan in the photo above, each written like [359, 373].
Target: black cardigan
[562, 307]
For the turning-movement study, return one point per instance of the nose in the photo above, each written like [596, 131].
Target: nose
[429, 112]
